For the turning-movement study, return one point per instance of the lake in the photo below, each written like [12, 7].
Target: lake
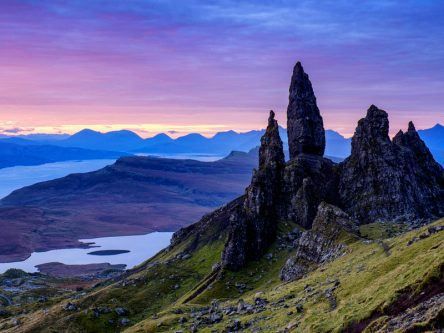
[140, 247]
[17, 177]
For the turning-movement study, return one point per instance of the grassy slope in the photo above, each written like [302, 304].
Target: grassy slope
[370, 279]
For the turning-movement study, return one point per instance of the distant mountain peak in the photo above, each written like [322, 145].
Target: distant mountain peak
[161, 136]
[229, 132]
[192, 135]
[87, 131]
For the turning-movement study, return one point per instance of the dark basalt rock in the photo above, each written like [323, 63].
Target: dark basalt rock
[304, 122]
[320, 244]
[307, 180]
[253, 228]
[385, 180]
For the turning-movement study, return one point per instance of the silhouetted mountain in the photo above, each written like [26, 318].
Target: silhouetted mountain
[161, 138]
[12, 154]
[116, 140]
[19, 141]
[434, 138]
[224, 142]
[336, 144]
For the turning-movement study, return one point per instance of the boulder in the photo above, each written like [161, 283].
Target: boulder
[320, 244]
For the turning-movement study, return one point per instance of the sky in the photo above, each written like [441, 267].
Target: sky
[207, 66]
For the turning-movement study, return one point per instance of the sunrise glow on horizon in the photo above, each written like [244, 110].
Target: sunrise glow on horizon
[209, 66]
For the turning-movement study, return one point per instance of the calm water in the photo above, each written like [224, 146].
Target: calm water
[17, 177]
[141, 248]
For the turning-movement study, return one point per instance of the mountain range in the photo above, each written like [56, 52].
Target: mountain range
[127, 142]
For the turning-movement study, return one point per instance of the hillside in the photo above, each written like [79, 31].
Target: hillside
[133, 196]
[376, 283]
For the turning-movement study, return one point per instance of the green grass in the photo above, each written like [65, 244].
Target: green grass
[369, 281]
[380, 230]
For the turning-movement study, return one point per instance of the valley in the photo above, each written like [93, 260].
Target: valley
[135, 195]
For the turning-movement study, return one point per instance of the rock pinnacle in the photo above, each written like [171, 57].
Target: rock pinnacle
[304, 123]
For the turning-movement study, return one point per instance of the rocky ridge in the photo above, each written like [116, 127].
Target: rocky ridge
[390, 180]
[382, 180]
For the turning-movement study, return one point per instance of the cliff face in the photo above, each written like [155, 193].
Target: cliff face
[382, 180]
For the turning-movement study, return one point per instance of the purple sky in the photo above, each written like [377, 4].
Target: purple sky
[207, 66]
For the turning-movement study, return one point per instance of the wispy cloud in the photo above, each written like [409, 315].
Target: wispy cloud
[138, 61]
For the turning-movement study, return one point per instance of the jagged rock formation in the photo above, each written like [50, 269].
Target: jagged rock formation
[385, 180]
[320, 244]
[381, 180]
[253, 228]
[304, 122]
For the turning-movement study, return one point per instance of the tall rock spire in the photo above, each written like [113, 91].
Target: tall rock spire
[304, 122]
[271, 151]
[253, 228]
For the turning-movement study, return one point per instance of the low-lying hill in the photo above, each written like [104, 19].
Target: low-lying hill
[135, 195]
[13, 152]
